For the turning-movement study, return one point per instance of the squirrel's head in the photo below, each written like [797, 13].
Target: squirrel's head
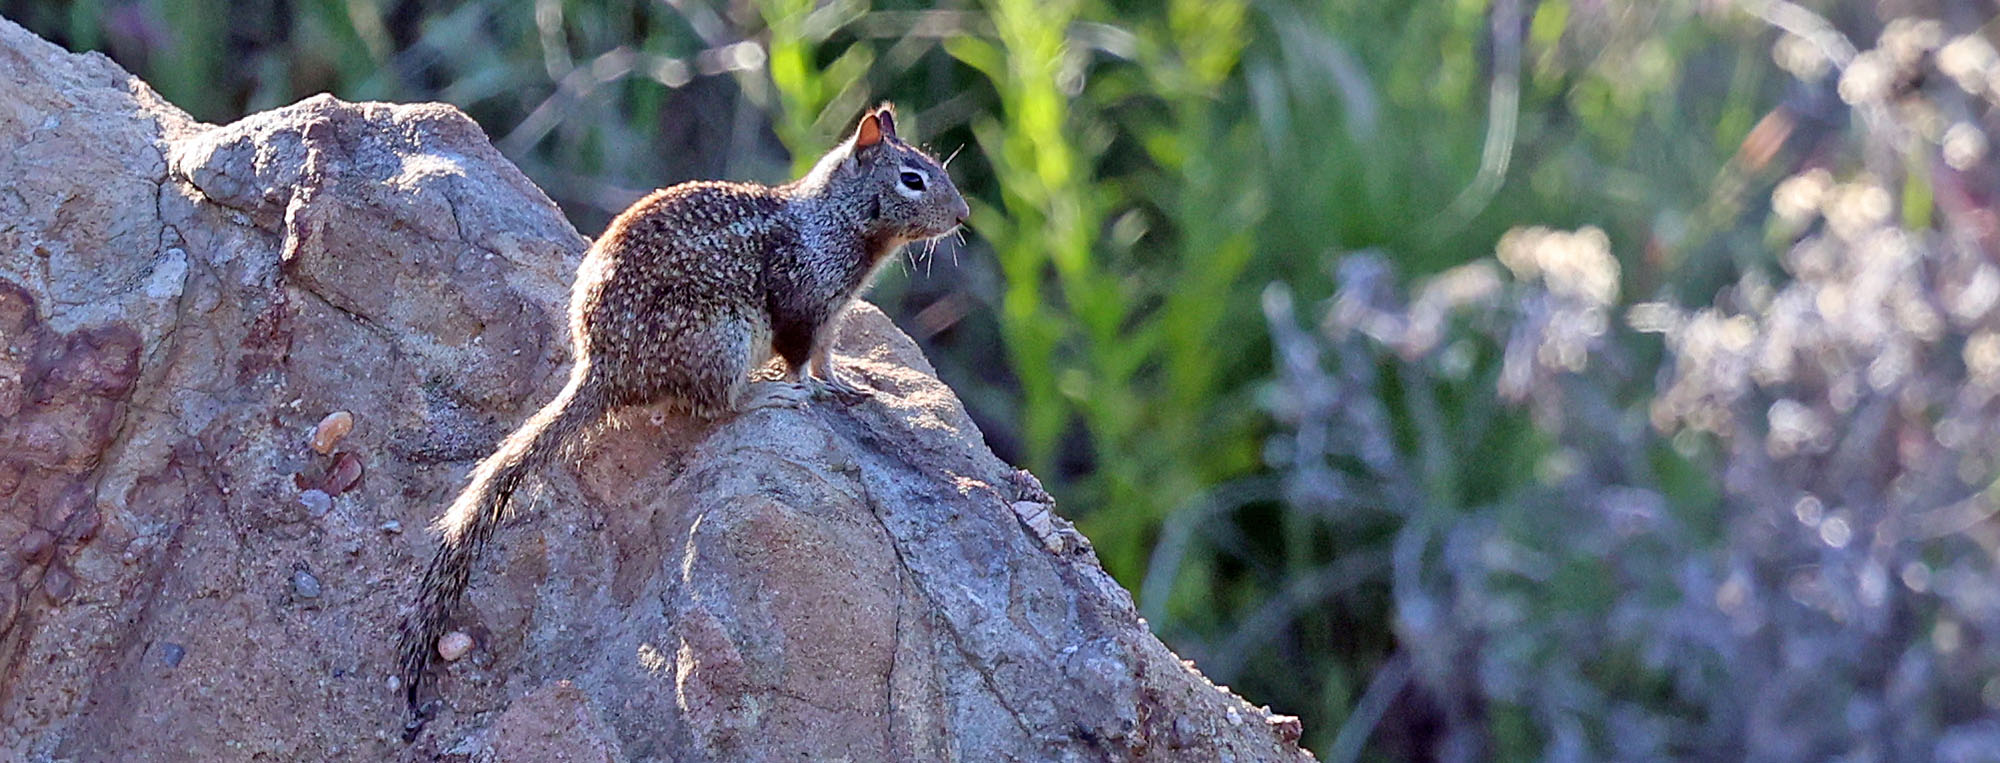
[903, 191]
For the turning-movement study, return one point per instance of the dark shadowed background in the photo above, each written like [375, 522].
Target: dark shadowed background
[1475, 379]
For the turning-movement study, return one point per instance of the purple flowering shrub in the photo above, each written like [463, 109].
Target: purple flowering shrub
[1761, 526]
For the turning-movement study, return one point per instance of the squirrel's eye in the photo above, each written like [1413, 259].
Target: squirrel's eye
[913, 181]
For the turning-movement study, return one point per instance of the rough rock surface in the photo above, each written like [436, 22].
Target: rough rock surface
[183, 578]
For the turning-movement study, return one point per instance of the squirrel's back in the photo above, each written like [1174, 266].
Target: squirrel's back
[702, 223]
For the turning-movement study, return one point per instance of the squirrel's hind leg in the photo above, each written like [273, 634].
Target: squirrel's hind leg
[705, 370]
[743, 346]
[772, 394]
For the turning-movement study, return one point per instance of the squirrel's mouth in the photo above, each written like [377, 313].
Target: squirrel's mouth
[928, 232]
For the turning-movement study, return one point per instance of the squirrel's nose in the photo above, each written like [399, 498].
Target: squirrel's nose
[963, 211]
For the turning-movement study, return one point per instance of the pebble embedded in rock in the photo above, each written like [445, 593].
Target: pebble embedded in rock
[330, 429]
[171, 654]
[36, 546]
[304, 585]
[317, 502]
[454, 645]
[345, 475]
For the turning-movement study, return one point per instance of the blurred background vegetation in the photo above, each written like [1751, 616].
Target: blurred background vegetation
[1475, 379]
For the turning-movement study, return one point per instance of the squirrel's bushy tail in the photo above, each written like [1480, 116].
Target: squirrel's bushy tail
[466, 527]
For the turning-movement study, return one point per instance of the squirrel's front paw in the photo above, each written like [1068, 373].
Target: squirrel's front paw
[838, 389]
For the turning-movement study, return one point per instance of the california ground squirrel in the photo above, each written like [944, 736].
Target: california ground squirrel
[686, 293]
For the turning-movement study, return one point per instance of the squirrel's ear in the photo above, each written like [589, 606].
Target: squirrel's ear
[869, 133]
[886, 114]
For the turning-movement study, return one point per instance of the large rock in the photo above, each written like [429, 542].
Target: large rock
[183, 578]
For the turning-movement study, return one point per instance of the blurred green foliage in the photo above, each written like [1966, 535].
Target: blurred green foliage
[1139, 171]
